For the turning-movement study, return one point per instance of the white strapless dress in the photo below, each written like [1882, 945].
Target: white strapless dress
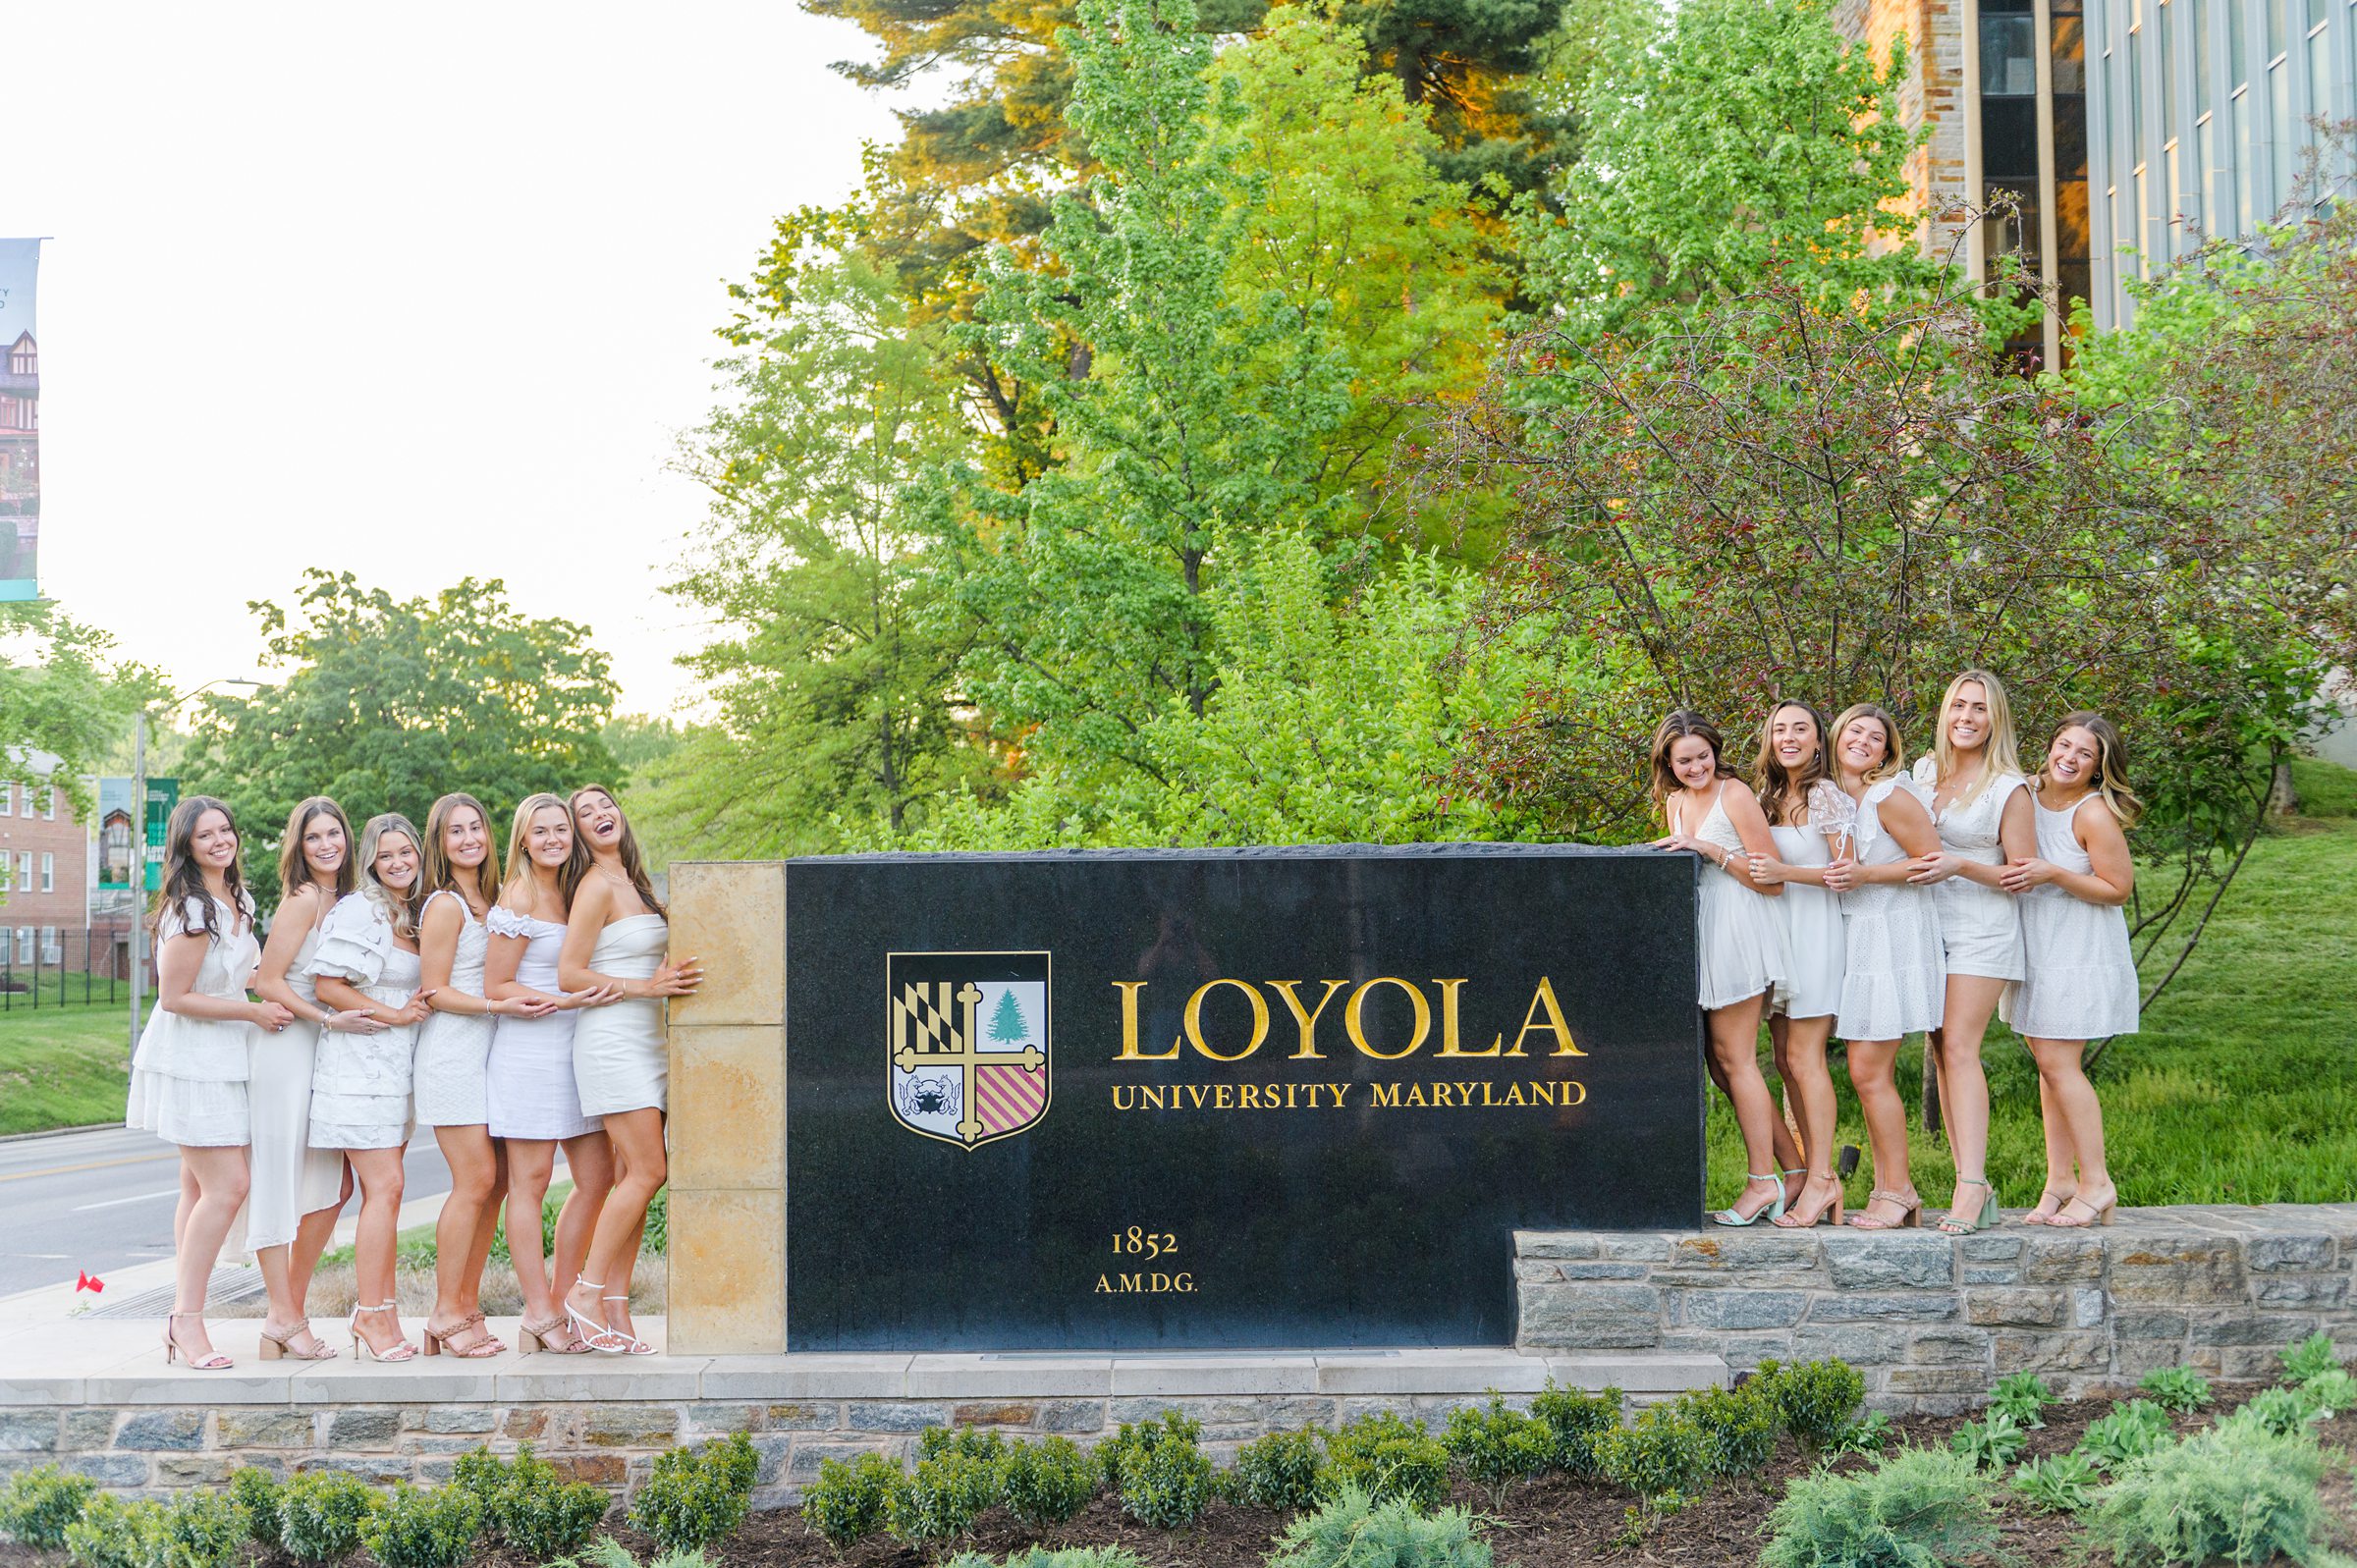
[620, 1059]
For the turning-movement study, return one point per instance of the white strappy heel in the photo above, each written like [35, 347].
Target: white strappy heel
[590, 1331]
[361, 1347]
[631, 1344]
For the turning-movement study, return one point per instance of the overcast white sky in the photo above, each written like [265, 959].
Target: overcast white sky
[413, 290]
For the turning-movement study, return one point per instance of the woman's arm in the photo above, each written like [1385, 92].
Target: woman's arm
[2017, 835]
[2111, 877]
[179, 959]
[1751, 826]
[438, 951]
[343, 996]
[1910, 826]
[499, 962]
[583, 925]
[297, 912]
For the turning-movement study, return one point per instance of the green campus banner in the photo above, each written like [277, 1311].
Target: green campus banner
[20, 422]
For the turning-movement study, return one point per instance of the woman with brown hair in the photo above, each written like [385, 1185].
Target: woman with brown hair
[2081, 984]
[296, 1190]
[615, 935]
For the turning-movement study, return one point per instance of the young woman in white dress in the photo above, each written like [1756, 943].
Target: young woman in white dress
[367, 961]
[1973, 781]
[296, 1190]
[2082, 982]
[454, 1045]
[615, 935]
[535, 1103]
[1892, 978]
[188, 1072]
[1741, 947]
[1809, 819]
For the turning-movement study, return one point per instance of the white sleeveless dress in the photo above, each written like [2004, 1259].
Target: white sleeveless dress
[360, 1083]
[529, 1087]
[2082, 979]
[1894, 979]
[1815, 951]
[621, 1061]
[1742, 947]
[453, 1046]
[1980, 928]
[289, 1178]
[188, 1075]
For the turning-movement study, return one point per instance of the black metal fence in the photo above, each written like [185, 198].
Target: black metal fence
[50, 967]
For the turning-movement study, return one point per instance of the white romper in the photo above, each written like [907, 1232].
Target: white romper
[2082, 982]
[1980, 928]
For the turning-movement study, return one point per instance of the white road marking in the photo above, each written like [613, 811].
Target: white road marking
[167, 1192]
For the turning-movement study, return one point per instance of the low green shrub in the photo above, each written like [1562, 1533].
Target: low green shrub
[2229, 1494]
[1497, 1445]
[2306, 1358]
[2176, 1388]
[2061, 1484]
[1869, 1434]
[540, 1513]
[1165, 1476]
[1577, 1422]
[1355, 1531]
[697, 1496]
[482, 1475]
[321, 1513]
[2279, 1410]
[971, 1443]
[1662, 1457]
[1812, 1400]
[1386, 1457]
[259, 1499]
[2025, 1397]
[1279, 1471]
[1738, 1425]
[1919, 1509]
[2131, 1432]
[1053, 1557]
[1046, 1483]
[36, 1505]
[2329, 1393]
[424, 1527]
[115, 1532]
[851, 1501]
[940, 1501]
[1991, 1443]
[203, 1529]
[607, 1553]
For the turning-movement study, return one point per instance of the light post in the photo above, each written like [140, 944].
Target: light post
[138, 811]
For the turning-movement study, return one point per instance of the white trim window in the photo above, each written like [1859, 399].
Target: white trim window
[48, 872]
[49, 803]
[24, 879]
[25, 950]
[8, 798]
[53, 952]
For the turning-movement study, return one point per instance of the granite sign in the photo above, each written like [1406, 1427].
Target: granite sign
[1224, 1098]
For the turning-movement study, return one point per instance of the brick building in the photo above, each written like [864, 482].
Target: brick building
[46, 855]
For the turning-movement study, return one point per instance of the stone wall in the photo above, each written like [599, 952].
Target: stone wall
[1932, 1321]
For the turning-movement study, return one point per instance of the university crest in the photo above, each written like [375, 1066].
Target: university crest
[967, 1052]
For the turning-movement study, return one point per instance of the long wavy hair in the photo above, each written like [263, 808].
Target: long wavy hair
[520, 850]
[399, 909]
[438, 872]
[576, 864]
[1678, 727]
[2001, 757]
[2111, 764]
[295, 869]
[184, 877]
[1895, 750]
[1782, 793]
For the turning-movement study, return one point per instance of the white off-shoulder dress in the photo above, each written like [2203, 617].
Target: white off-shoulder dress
[2082, 981]
[454, 1047]
[1742, 947]
[1895, 977]
[290, 1178]
[188, 1075]
[361, 1084]
[1980, 928]
[621, 1061]
[1815, 951]
[528, 1086]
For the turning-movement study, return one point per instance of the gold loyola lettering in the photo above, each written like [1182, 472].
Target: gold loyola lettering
[1355, 1024]
[1194, 1019]
[1129, 1052]
[1544, 998]
[1449, 1044]
[1307, 1020]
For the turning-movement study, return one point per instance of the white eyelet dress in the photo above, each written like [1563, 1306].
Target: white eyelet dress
[529, 1087]
[2082, 981]
[1811, 916]
[1980, 928]
[1894, 979]
[620, 1059]
[290, 1178]
[361, 1085]
[187, 1076]
[453, 1046]
[1742, 947]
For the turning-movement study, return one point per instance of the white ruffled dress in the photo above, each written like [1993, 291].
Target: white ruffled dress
[528, 1086]
[453, 1046]
[188, 1075]
[1815, 951]
[360, 1083]
[1895, 976]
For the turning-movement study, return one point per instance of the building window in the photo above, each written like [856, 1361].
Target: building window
[24, 935]
[48, 873]
[49, 803]
[23, 358]
[24, 882]
[8, 799]
[51, 952]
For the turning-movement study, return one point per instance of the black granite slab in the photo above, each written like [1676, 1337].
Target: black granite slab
[1099, 1180]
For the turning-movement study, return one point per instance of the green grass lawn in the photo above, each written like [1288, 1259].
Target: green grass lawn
[63, 1065]
[2242, 1087]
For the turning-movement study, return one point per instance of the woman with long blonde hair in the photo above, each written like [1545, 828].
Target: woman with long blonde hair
[535, 1103]
[368, 962]
[1973, 782]
[2081, 984]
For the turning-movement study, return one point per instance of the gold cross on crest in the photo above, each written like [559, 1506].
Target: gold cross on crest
[926, 1033]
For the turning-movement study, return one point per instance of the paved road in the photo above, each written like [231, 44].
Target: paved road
[104, 1200]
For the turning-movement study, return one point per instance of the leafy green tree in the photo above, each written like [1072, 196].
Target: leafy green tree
[388, 703]
[60, 693]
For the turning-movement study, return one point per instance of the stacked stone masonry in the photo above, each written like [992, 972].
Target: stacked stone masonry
[1932, 1321]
